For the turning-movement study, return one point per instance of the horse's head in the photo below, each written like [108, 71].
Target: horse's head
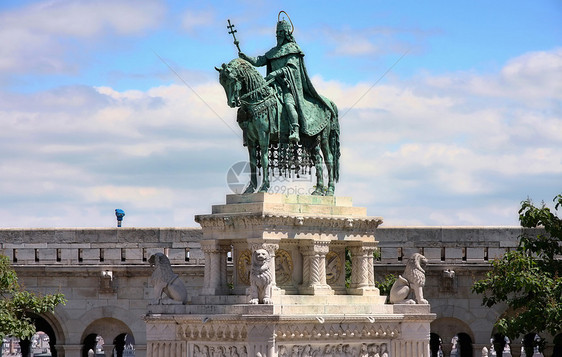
[228, 78]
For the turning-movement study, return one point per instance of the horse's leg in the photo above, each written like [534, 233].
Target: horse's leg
[253, 177]
[264, 145]
[328, 160]
[319, 191]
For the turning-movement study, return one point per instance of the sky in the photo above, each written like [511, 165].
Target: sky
[450, 112]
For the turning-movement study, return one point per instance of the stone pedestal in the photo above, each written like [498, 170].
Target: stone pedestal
[312, 311]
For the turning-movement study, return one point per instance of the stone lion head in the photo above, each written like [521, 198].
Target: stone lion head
[161, 263]
[414, 271]
[261, 257]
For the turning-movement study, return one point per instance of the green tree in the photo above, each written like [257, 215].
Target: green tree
[16, 303]
[528, 279]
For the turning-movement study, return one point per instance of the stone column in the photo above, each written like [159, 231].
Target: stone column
[108, 350]
[362, 274]
[314, 268]
[69, 350]
[223, 261]
[214, 280]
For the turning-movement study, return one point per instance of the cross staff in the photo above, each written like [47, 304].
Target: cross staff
[232, 31]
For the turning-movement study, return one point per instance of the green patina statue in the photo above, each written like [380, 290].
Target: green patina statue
[286, 123]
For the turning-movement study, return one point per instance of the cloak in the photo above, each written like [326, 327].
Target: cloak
[313, 109]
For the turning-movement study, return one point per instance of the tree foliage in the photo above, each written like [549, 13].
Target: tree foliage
[528, 279]
[16, 303]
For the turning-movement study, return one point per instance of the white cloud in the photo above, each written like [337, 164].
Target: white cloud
[33, 37]
[193, 21]
[430, 151]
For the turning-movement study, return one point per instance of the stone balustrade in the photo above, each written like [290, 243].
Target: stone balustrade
[451, 245]
[115, 246]
[100, 246]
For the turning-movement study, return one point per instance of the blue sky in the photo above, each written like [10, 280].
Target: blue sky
[465, 125]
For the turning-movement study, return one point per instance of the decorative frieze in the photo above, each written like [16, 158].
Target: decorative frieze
[339, 349]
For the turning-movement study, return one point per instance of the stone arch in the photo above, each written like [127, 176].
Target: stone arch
[50, 325]
[108, 328]
[447, 328]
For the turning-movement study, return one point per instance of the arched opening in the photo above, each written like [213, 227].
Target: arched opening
[93, 343]
[529, 344]
[124, 346]
[41, 344]
[465, 345]
[499, 342]
[107, 334]
[452, 333]
[10, 346]
[435, 343]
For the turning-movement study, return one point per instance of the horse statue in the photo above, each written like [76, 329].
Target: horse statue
[266, 133]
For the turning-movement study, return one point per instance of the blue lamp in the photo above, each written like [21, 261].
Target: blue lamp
[119, 213]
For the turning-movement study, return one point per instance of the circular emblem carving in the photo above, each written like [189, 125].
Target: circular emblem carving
[283, 266]
[333, 268]
[244, 266]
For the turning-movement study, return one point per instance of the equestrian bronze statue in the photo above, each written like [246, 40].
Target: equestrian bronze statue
[287, 126]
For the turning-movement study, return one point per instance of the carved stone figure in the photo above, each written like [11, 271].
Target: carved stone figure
[281, 110]
[165, 281]
[261, 278]
[413, 279]
[384, 352]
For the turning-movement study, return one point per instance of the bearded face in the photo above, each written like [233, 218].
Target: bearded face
[281, 36]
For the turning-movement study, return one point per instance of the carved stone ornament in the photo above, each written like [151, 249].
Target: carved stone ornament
[413, 280]
[283, 266]
[333, 267]
[341, 349]
[219, 351]
[244, 266]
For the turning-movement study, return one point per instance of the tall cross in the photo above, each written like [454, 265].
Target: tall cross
[233, 31]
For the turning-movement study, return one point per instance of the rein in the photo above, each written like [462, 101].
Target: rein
[255, 90]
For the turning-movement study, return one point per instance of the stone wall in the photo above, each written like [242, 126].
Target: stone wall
[457, 257]
[105, 275]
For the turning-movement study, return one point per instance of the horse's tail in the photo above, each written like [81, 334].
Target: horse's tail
[334, 140]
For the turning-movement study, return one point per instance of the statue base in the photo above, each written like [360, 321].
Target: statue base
[306, 240]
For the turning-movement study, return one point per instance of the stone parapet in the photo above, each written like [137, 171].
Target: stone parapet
[458, 245]
[100, 246]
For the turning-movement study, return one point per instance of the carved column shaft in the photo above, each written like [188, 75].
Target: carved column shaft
[362, 274]
[359, 267]
[314, 267]
[223, 260]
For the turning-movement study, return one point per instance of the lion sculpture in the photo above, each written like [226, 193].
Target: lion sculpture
[261, 278]
[413, 279]
[165, 281]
